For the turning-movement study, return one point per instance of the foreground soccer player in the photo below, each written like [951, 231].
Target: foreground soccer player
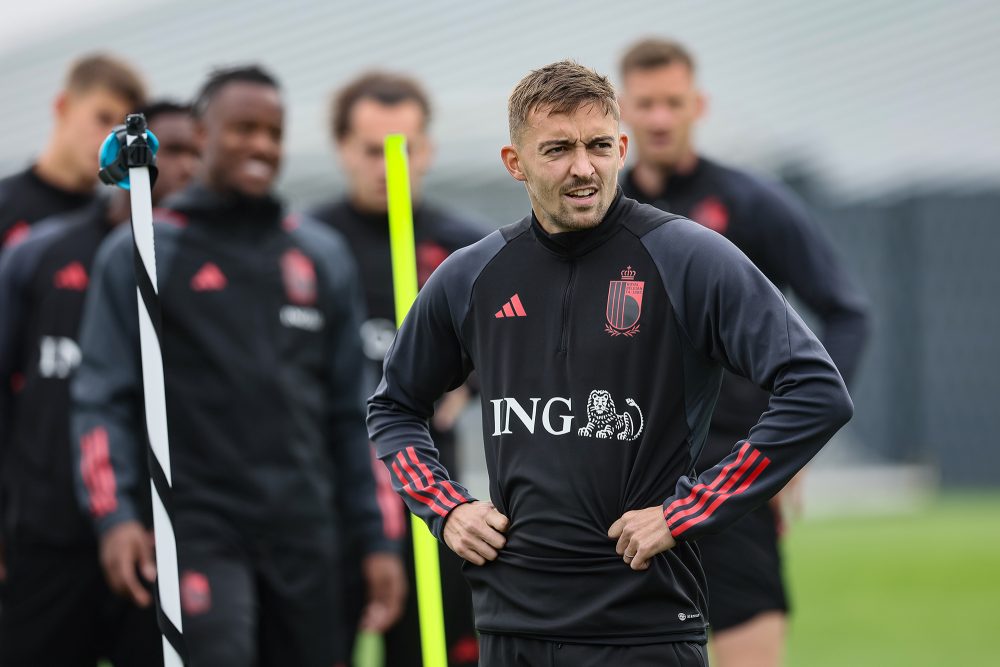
[599, 328]
[262, 364]
[662, 104]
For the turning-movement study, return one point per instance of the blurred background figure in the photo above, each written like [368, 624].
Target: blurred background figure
[364, 111]
[270, 461]
[98, 92]
[54, 585]
[661, 105]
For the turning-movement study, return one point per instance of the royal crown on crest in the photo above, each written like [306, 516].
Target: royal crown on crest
[628, 274]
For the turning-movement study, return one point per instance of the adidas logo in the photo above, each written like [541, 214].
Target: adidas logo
[209, 279]
[72, 277]
[512, 308]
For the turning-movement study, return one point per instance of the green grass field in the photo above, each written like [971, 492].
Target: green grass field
[914, 590]
[920, 590]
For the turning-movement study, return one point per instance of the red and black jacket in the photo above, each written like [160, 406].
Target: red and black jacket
[43, 282]
[600, 355]
[262, 367]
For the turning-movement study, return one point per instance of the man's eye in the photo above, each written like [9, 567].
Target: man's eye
[604, 145]
[555, 150]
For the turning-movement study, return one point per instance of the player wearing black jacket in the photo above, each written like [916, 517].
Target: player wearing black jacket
[364, 112]
[262, 362]
[55, 587]
[599, 328]
[98, 92]
[661, 103]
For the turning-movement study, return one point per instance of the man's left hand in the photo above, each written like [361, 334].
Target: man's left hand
[641, 534]
[386, 586]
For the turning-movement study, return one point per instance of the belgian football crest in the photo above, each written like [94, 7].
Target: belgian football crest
[300, 277]
[624, 304]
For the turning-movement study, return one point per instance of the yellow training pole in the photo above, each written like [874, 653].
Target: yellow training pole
[404, 282]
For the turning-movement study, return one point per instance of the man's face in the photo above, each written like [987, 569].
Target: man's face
[361, 150]
[84, 119]
[178, 156]
[661, 106]
[240, 136]
[569, 164]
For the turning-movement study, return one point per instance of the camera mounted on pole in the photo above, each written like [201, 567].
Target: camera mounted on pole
[118, 155]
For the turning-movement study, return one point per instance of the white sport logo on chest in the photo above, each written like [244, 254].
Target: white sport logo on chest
[602, 420]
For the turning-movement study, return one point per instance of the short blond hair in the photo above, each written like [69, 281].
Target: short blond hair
[101, 70]
[653, 53]
[559, 88]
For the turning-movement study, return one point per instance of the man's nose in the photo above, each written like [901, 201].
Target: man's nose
[582, 167]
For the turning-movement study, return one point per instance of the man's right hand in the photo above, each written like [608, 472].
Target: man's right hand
[126, 550]
[475, 532]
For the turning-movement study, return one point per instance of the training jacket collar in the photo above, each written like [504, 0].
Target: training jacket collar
[200, 203]
[575, 244]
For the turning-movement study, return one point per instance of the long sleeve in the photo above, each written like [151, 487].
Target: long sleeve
[427, 359]
[731, 314]
[808, 263]
[107, 420]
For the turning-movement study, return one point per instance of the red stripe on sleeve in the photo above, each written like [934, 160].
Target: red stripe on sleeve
[440, 511]
[390, 505]
[708, 495]
[721, 499]
[431, 487]
[697, 488]
[445, 484]
[98, 475]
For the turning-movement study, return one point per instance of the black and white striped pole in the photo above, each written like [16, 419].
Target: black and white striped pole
[127, 161]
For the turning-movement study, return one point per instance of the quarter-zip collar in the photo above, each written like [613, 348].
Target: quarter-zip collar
[576, 244]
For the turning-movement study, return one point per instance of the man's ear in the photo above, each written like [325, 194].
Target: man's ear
[512, 162]
[622, 148]
[60, 103]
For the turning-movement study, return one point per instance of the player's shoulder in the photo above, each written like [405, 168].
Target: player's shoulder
[765, 195]
[333, 212]
[679, 241]
[11, 184]
[324, 245]
[450, 227]
[309, 231]
[22, 257]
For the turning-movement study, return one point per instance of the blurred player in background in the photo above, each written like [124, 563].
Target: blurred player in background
[661, 104]
[364, 112]
[98, 93]
[270, 461]
[57, 607]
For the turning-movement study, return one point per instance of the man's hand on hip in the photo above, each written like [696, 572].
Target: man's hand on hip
[475, 532]
[641, 534]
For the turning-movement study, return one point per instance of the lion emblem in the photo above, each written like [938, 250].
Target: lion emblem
[604, 422]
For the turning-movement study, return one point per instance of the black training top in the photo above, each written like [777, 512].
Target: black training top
[600, 355]
[25, 199]
[42, 285]
[773, 229]
[262, 367]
